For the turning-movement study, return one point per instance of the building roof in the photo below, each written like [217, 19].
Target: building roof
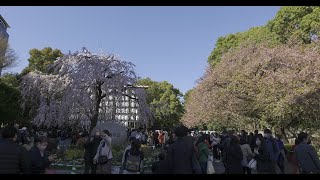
[4, 21]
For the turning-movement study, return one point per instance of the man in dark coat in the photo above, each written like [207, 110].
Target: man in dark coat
[180, 154]
[12, 156]
[40, 160]
[306, 156]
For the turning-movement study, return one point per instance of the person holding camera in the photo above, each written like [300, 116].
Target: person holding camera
[103, 157]
[40, 160]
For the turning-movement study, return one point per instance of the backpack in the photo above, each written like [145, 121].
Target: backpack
[133, 163]
[275, 148]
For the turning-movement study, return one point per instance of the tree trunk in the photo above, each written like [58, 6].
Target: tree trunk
[94, 121]
[284, 136]
[99, 97]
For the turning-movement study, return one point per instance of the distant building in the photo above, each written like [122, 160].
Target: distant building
[3, 28]
[3, 34]
[124, 110]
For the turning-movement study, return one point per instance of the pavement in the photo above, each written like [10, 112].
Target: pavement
[217, 164]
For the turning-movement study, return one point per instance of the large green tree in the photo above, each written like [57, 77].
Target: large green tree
[164, 101]
[9, 99]
[187, 95]
[41, 59]
[291, 25]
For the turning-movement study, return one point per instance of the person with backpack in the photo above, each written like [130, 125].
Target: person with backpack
[282, 156]
[306, 156]
[133, 159]
[272, 148]
[103, 157]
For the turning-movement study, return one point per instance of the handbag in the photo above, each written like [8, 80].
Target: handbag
[210, 168]
[252, 164]
[103, 159]
[244, 161]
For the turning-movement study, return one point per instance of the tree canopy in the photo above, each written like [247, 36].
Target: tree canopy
[273, 87]
[7, 55]
[41, 60]
[9, 99]
[298, 24]
[80, 89]
[164, 101]
[264, 77]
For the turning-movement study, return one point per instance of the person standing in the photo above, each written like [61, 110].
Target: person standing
[282, 156]
[133, 159]
[103, 157]
[272, 148]
[91, 147]
[39, 157]
[262, 156]
[13, 157]
[306, 156]
[203, 151]
[234, 157]
[180, 154]
[247, 155]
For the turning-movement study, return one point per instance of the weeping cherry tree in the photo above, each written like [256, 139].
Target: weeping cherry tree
[80, 89]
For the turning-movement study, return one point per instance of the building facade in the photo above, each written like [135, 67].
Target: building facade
[3, 35]
[124, 110]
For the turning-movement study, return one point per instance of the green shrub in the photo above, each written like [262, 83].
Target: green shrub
[74, 154]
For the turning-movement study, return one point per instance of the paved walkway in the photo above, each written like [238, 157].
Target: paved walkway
[217, 164]
[218, 167]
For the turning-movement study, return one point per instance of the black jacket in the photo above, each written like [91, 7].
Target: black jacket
[38, 163]
[233, 159]
[264, 163]
[12, 158]
[160, 167]
[91, 148]
[307, 158]
[180, 156]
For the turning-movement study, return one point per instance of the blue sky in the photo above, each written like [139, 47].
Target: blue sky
[165, 43]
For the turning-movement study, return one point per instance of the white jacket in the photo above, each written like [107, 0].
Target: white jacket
[106, 150]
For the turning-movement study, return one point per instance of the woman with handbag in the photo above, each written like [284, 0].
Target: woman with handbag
[103, 157]
[247, 155]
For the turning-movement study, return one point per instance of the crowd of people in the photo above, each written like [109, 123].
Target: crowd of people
[24, 151]
[240, 153]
